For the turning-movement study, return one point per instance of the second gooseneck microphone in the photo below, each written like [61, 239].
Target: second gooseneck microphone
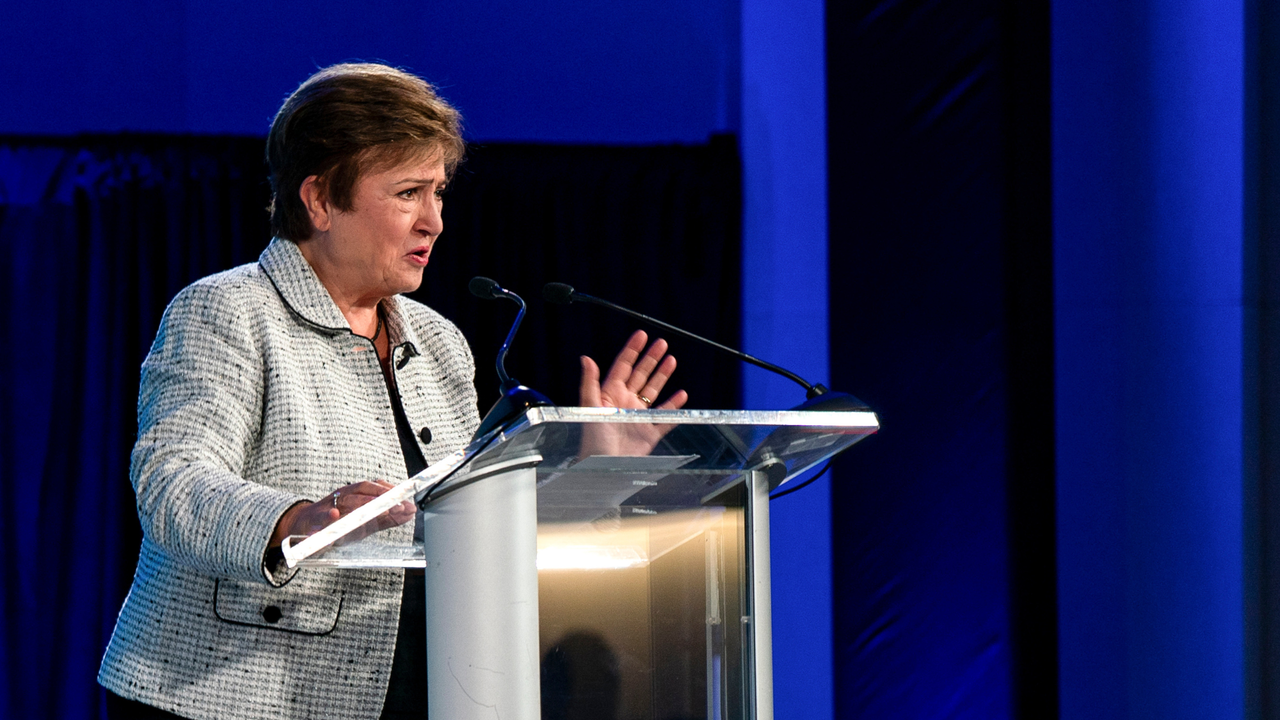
[819, 397]
[562, 294]
[516, 398]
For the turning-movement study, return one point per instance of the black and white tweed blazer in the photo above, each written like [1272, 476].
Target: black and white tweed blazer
[255, 396]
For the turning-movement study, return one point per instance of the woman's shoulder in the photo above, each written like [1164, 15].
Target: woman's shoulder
[247, 277]
[242, 283]
[230, 296]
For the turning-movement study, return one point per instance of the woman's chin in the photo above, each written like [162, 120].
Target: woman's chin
[408, 282]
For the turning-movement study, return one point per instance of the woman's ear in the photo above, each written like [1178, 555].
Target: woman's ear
[318, 208]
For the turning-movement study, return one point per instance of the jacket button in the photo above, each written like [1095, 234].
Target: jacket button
[425, 435]
[271, 614]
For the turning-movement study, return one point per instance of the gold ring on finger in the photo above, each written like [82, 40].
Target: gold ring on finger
[647, 402]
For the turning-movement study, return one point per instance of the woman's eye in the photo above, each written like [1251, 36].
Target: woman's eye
[440, 192]
[408, 194]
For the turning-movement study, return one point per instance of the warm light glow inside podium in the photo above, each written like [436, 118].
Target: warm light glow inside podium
[641, 615]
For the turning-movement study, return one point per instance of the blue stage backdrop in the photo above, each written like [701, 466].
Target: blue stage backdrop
[1067, 512]
[1149, 186]
[653, 71]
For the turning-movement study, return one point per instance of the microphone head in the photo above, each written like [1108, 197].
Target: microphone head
[557, 293]
[482, 287]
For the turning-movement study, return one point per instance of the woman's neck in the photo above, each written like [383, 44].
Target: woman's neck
[360, 308]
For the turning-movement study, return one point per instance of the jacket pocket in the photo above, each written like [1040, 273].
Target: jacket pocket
[263, 606]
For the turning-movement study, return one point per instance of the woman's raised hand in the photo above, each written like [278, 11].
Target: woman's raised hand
[634, 382]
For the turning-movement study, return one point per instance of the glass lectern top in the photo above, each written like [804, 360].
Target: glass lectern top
[704, 449]
[595, 461]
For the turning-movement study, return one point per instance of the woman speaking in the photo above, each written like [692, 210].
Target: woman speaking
[282, 394]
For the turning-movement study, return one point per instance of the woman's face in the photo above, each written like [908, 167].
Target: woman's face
[385, 241]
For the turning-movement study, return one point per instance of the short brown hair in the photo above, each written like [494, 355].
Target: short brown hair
[346, 120]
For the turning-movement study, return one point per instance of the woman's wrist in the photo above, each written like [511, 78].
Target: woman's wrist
[285, 526]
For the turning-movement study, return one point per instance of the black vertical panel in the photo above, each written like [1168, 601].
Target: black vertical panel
[1029, 359]
[941, 317]
[1262, 361]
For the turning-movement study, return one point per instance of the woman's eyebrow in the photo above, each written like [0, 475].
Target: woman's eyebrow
[418, 181]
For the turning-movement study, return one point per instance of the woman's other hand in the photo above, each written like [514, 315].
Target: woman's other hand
[310, 518]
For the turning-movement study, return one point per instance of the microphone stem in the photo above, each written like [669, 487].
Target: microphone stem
[686, 334]
[506, 380]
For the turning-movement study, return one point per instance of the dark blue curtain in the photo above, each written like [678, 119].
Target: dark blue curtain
[95, 237]
[97, 234]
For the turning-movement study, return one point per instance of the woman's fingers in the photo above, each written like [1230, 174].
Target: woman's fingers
[403, 512]
[653, 383]
[589, 385]
[646, 366]
[310, 518]
[349, 498]
[624, 364]
[365, 488]
[675, 402]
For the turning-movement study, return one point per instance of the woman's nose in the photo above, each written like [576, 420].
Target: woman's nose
[430, 220]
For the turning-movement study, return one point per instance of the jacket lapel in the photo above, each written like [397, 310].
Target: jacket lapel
[299, 287]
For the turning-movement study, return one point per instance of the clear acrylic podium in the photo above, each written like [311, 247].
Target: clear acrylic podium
[592, 562]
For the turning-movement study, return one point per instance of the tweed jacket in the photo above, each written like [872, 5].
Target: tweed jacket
[255, 396]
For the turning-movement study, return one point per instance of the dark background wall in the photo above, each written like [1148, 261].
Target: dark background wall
[942, 317]
[1037, 237]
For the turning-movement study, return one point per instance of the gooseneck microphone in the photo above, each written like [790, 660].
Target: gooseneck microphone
[486, 289]
[562, 294]
[515, 398]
